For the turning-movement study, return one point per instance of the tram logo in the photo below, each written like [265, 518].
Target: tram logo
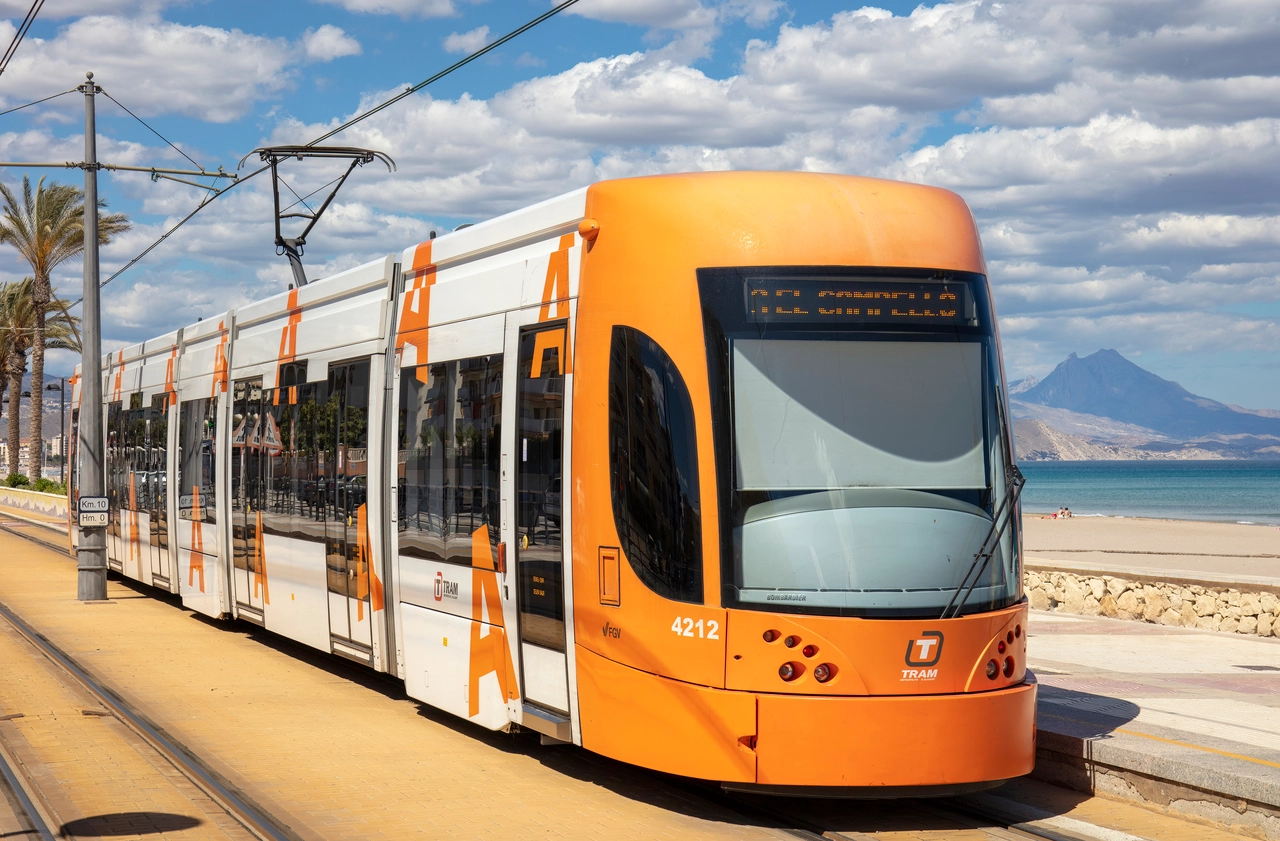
[925, 651]
[445, 589]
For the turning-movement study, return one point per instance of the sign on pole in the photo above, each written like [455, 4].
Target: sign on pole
[95, 512]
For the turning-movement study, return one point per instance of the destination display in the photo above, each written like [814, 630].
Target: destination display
[856, 301]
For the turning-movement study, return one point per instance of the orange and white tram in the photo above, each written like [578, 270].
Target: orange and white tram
[683, 469]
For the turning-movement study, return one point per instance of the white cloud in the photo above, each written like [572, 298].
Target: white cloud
[404, 8]
[660, 14]
[74, 8]
[467, 42]
[1181, 230]
[155, 66]
[1025, 167]
[329, 42]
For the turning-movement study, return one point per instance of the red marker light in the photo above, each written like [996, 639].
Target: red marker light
[1000, 646]
[810, 650]
[822, 673]
[770, 636]
[993, 669]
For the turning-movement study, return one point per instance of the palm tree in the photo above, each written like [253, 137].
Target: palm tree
[47, 228]
[17, 337]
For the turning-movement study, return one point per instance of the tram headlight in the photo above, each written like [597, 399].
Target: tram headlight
[1008, 667]
[788, 671]
[823, 672]
[770, 636]
[993, 669]
[791, 641]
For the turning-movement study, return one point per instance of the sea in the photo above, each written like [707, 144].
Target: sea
[1225, 491]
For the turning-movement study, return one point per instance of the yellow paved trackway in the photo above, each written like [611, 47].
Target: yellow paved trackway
[89, 771]
[331, 750]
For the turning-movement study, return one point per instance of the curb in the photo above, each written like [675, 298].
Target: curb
[1160, 768]
[1181, 577]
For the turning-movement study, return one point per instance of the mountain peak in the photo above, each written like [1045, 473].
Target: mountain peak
[1107, 384]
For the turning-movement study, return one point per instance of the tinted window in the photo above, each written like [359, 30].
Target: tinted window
[197, 452]
[653, 461]
[450, 435]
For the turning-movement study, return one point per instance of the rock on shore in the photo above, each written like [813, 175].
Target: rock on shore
[1186, 606]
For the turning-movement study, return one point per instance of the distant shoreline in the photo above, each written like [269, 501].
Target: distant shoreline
[1044, 515]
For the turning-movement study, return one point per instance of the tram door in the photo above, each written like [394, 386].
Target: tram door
[247, 500]
[539, 493]
[343, 430]
[156, 478]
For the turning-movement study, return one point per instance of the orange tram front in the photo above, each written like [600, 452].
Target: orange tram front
[796, 545]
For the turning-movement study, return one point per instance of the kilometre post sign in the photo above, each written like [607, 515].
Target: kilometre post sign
[94, 512]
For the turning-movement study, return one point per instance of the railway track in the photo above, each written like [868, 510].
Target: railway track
[26, 793]
[31, 822]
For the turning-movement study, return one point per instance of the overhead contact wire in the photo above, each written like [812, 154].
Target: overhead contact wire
[20, 34]
[151, 129]
[37, 102]
[410, 91]
[407, 92]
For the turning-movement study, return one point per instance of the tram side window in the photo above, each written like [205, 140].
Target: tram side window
[135, 454]
[277, 441]
[157, 425]
[449, 450]
[115, 464]
[653, 460]
[197, 455]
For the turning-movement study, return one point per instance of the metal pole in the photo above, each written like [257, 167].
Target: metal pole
[62, 427]
[92, 551]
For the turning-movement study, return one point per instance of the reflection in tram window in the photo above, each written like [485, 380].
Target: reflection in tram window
[342, 445]
[654, 462]
[539, 487]
[157, 460]
[197, 454]
[448, 456]
[115, 466]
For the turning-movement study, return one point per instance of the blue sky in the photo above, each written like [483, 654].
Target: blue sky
[1120, 157]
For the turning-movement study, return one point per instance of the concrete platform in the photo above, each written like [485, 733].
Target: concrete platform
[1179, 719]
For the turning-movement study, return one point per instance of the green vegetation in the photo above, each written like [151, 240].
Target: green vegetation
[46, 226]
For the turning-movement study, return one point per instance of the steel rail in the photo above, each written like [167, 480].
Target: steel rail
[24, 802]
[253, 818]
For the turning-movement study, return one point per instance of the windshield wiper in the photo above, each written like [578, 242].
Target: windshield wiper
[1014, 481]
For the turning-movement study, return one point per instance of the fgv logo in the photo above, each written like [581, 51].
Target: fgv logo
[922, 653]
[445, 589]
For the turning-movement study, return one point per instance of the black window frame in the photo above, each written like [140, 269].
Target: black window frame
[478, 457]
[720, 291]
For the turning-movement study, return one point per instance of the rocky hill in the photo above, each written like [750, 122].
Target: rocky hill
[1105, 407]
[1037, 441]
[1108, 385]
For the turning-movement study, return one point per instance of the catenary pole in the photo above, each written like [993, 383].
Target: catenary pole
[92, 551]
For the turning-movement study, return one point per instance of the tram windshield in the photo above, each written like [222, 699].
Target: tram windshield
[865, 444]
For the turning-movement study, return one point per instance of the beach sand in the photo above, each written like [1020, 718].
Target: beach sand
[1220, 549]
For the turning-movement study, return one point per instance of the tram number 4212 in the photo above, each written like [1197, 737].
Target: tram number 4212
[685, 627]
